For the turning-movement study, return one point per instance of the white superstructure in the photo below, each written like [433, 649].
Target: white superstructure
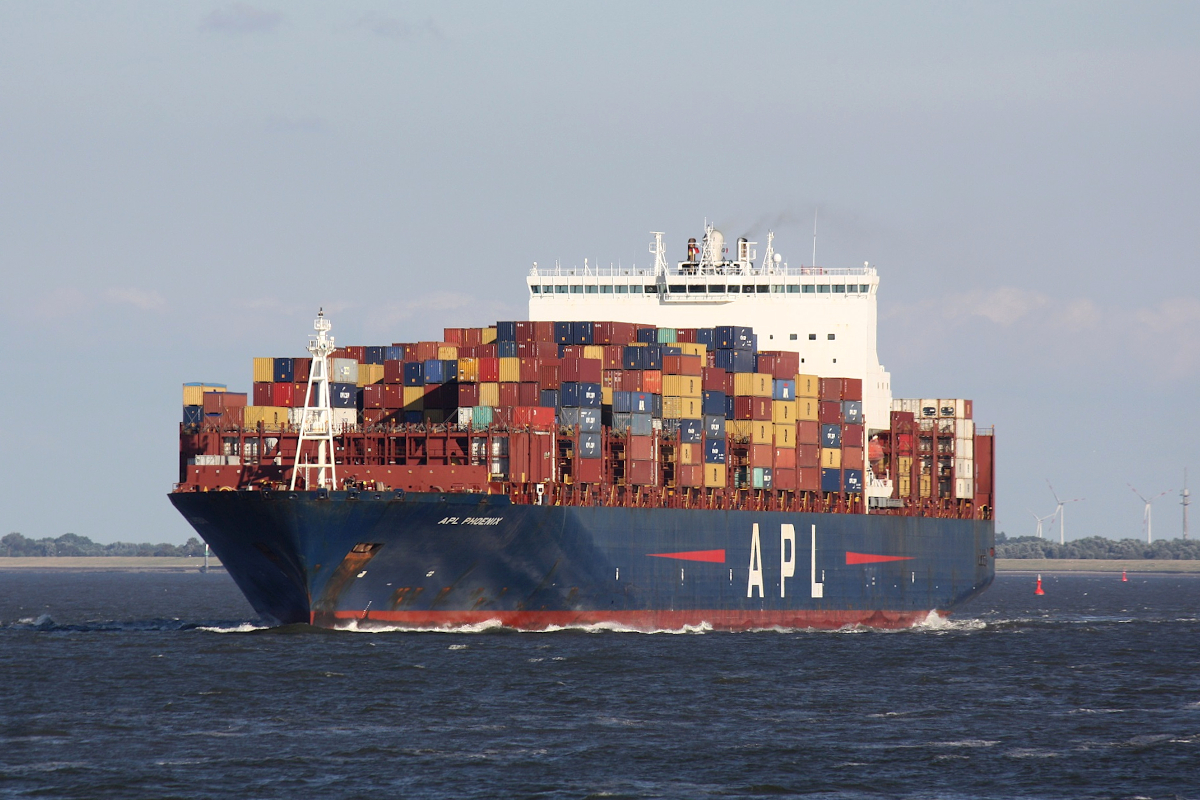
[828, 316]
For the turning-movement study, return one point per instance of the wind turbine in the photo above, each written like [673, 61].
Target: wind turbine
[1062, 518]
[1146, 513]
[1185, 502]
[1041, 520]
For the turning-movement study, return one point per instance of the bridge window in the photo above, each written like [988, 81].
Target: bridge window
[839, 288]
[697, 288]
[865, 288]
[576, 289]
[651, 290]
[823, 288]
[832, 336]
[716, 288]
[606, 289]
[812, 337]
[621, 288]
[762, 288]
[560, 288]
[534, 289]
[590, 289]
[677, 287]
[808, 288]
[777, 288]
[793, 288]
[792, 336]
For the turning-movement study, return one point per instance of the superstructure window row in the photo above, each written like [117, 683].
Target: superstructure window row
[709, 289]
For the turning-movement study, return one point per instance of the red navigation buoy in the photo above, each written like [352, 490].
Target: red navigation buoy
[1123, 576]
[1038, 590]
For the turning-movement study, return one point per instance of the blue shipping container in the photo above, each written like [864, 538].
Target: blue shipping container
[706, 337]
[853, 480]
[641, 402]
[714, 451]
[671, 350]
[589, 420]
[621, 421]
[641, 424]
[549, 398]
[590, 395]
[582, 332]
[589, 445]
[413, 417]
[691, 431]
[393, 353]
[569, 394]
[714, 426]
[506, 331]
[283, 370]
[343, 395]
[657, 402]
[435, 371]
[414, 373]
[622, 402]
[568, 417]
[193, 415]
[506, 349]
[831, 480]
[562, 333]
[647, 335]
[374, 354]
[713, 403]
[652, 358]
[631, 357]
[785, 389]
[852, 412]
[450, 370]
[734, 360]
[729, 404]
[831, 436]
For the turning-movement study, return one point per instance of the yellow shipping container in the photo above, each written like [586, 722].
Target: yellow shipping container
[785, 435]
[433, 416]
[739, 429]
[806, 409]
[414, 398]
[510, 372]
[682, 386]
[752, 384]
[692, 348]
[264, 370]
[714, 476]
[692, 408]
[690, 453]
[904, 485]
[831, 458]
[448, 352]
[762, 432]
[904, 465]
[273, 418]
[193, 393]
[487, 335]
[594, 351]
[926, 486]
[672, 407]
[489, 393]
[606, 393]
[808, 386]
[370, 373]
[783, 411]
[468, 370]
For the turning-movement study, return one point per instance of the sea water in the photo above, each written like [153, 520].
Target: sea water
[131, 685]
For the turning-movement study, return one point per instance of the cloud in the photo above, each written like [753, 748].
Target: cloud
[241, 18]
[441, 309]
[308, 124]
[393, 28]
[147, 300]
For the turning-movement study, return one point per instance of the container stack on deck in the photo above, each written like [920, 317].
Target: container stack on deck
[595, 403]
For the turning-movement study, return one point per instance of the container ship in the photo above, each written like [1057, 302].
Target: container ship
[712, 443]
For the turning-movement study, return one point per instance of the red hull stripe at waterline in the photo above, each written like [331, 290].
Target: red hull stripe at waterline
[712, 556]
[867, 558]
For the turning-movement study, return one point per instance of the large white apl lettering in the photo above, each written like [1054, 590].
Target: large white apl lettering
[787, 556]
[756, 574]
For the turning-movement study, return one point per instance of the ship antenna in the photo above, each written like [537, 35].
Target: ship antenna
[815, 210]
[768, 259]
[660, 254]
[316, 424]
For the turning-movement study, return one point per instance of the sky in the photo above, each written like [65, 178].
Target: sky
[182, 185]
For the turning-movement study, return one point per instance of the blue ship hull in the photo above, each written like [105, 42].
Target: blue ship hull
[341, 559]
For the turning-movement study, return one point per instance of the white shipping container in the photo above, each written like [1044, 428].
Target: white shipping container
[464, 416]
[964, 447]
[964, 488]
[952, 408]
[928, 408]
[345, 370]
[499, 466]
[965, 428]
[964, 468]
[344, 418]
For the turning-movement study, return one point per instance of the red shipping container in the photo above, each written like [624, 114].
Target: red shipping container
[530, 394]
[652, 381]
[808, 432]
[686, 335]
[852, 458]
[602, 333]
[375, 416]
[529, 369]
[787, 365]
[489, 369]
[426, 351]
[785, 458]
[453, 335]
[611, 379]
[434, 395]
[263, 395]
[852, 436]
[640, 448]
[524, 332]
[808, 455]
[829, 412]
[534, 417]
[549, 375]
[762, 455]
[570, 351]
[468, 395]
[614, 356]
[298, 390]
[300, 369]
[530, 456]
[852, 390]
[373, 395]
[743, 408]
[393, 372]
[510, 394]
[830, 389]
[729, 381]
[631, 380]
[712, 379]
[808, 479]
[623, 333]
[281, 394]
[590, 370]
[689, 475]
[641, 473]
[765, 363]
[589, 470]
[472, 336]
[357, 352]
[570, 370]
[761, 408]
[784, 478]
[410, 352]
[683, 365]
[393, 396]
[216, 402]
[544, 332]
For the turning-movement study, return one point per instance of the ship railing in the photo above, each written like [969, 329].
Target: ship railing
[685, 270]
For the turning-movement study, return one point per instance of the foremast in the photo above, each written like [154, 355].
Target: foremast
[316, 423]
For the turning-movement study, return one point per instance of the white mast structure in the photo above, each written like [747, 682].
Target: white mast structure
[660, 254]
[317, 423]
[1146, 513]
[1062, 512]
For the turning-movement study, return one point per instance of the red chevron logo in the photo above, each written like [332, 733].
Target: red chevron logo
[712, 556]
[867, 558]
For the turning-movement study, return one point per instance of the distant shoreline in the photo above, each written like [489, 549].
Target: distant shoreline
[110, 563]
[1050, 565]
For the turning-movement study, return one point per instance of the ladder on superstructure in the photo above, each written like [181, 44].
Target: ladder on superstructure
[316, 424]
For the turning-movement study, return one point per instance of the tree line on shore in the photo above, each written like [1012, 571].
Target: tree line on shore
[1096, 547]
[71, 544]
